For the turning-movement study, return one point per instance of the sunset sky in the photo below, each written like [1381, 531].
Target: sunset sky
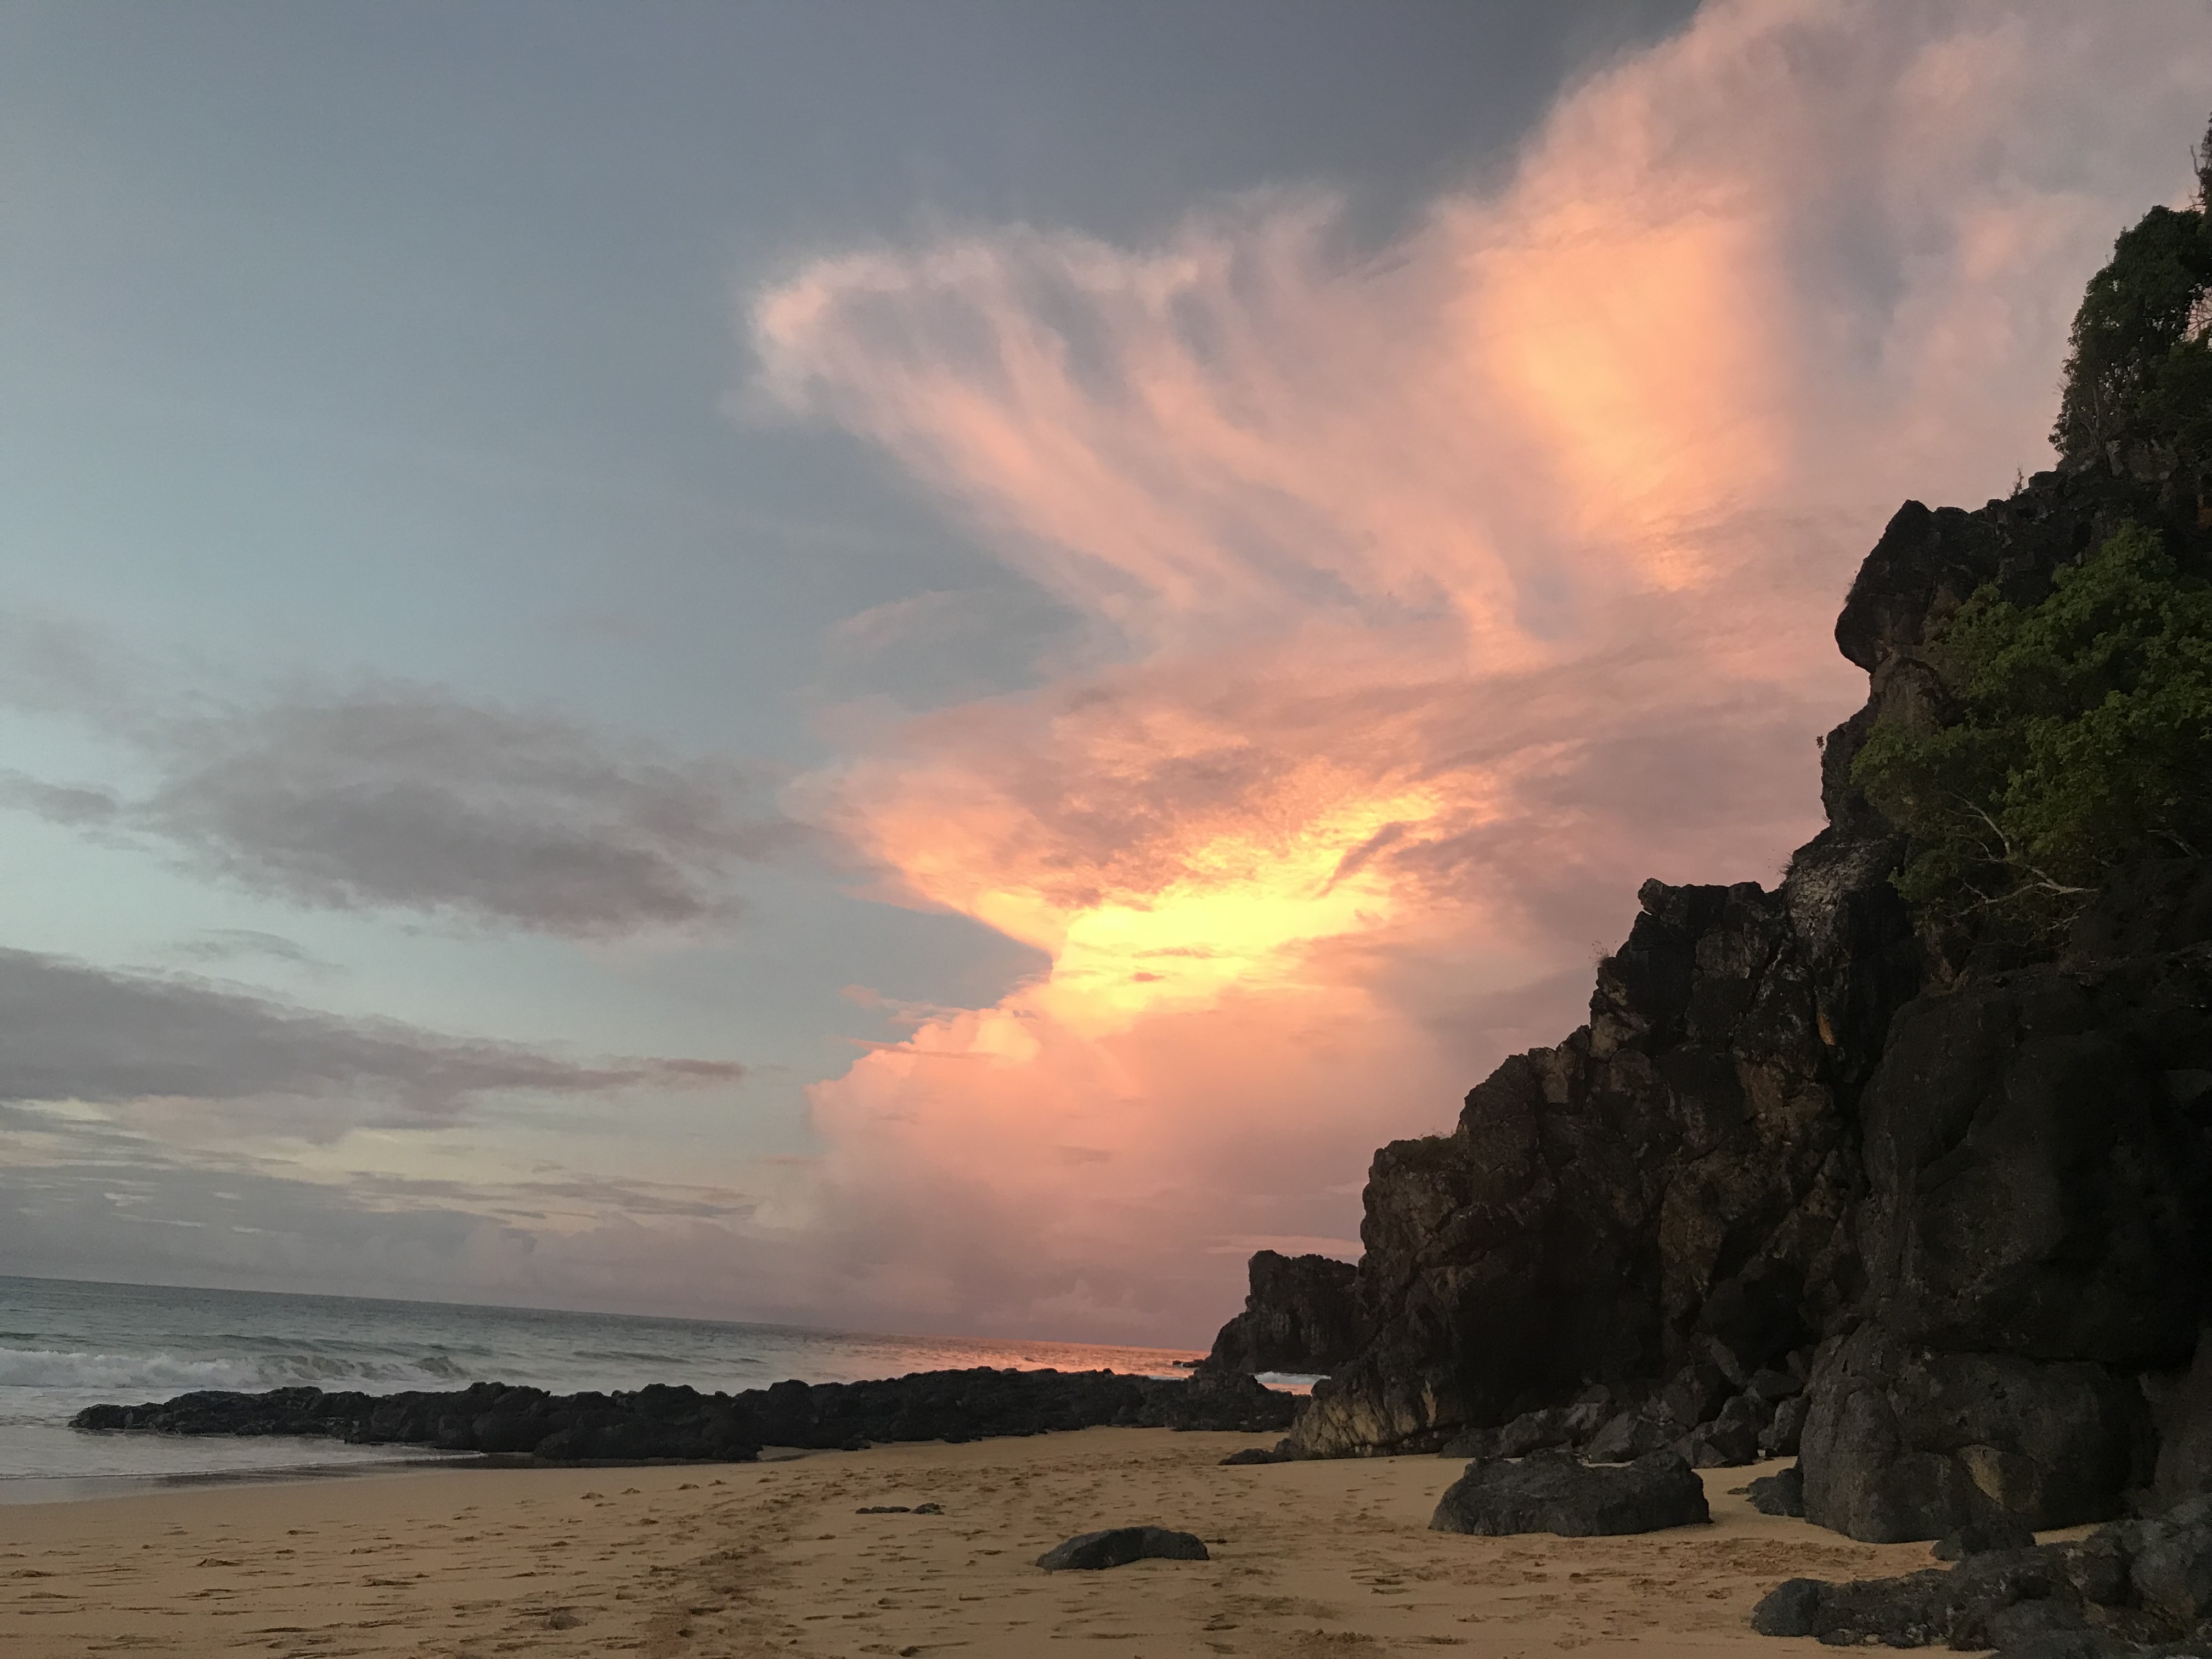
[921, 665]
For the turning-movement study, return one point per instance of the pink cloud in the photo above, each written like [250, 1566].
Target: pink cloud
[1438, 594]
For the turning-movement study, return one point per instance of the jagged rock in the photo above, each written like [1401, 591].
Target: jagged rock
[1553, 1425]
[1791, 1608]
[1626, 1437]
[1680, 1156]
[1553, 1491]
[2033, 1186]
[2098, 1645]
[1471, 1443]
[2172, 1576]
[1300, 1317]
[1695, 1394]
[1117, 1546]
[2184, 1452]
[1903, 1443]
[1991, 1532]
[1773, 1387]
[2130, 1585]
[1252, 1455]
[2161, 905]
[1990, 1599]
[1730, 1440]
[1780, 1494]
[680, 1423]
[1746, 1413]
[1535, 1430]
[1782, 1437]
[1926, 564]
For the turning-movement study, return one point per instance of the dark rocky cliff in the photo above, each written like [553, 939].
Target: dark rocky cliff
[1300, 1317]
[1965, 1185]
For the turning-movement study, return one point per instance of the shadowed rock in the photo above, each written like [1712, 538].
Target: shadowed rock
[1552, 1491]
[680, 1423]
[2184, 1452]
[2142, 1586]
[1299, 1317]
[1252, 1455]
[1782, 1494]
[1119, 1545]
[1904, 1442]
[1992, 1534]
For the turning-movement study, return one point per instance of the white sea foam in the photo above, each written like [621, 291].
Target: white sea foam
[112, 1376]
[50, 1368]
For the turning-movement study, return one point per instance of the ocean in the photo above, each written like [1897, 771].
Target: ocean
[65, 1345]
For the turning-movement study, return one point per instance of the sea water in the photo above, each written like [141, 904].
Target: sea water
[65, 1345]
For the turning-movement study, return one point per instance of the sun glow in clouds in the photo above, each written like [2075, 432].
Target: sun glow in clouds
[1235, 917]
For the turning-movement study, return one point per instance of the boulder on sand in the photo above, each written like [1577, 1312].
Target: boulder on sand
[1554, 1492]
[1782, 1493]
[2135, 1587]
[1117, 1546]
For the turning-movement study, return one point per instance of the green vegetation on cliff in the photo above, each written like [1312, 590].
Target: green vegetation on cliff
[2138, 386]
[2079, 740]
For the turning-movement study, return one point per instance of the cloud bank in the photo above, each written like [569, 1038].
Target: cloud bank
[405, 796]
[175, 1122]
[1435, 596]
[86, 1034]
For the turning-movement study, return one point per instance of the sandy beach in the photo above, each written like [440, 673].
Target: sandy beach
[1309, 1559]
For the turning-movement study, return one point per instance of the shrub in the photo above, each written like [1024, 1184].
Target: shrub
[2079, 740]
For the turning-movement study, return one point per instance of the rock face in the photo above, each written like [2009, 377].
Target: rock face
[1119, 1545]
[1662, 1195]
[2184, 1452]
[2132, 1583]
[1300, 1318]
[1554, 1492]
[681, 1423]
[1968, 1186]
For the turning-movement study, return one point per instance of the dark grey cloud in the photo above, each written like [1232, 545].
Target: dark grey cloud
[403, 797]
[74, 1032]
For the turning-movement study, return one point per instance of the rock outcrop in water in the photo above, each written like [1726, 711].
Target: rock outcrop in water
[1928, 1200]
[683, 1423]
[1300, 1318]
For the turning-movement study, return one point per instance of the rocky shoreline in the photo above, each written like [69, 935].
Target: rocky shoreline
[668, 1424]
[1921, 1194]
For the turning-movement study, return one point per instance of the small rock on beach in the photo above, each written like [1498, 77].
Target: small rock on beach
[1117, 1546]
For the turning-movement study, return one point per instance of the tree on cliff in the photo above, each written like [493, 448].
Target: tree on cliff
[2139, 364]
[2081, 742]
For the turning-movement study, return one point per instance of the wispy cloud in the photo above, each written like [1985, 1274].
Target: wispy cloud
[236, 944]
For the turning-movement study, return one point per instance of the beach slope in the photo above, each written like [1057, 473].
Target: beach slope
[1309, 1559]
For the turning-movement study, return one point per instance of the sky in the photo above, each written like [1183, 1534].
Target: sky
[920, 667]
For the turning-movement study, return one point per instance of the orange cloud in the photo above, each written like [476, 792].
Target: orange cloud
[1437, 593]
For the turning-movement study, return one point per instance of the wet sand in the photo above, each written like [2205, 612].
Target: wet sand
[1310, 1559]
